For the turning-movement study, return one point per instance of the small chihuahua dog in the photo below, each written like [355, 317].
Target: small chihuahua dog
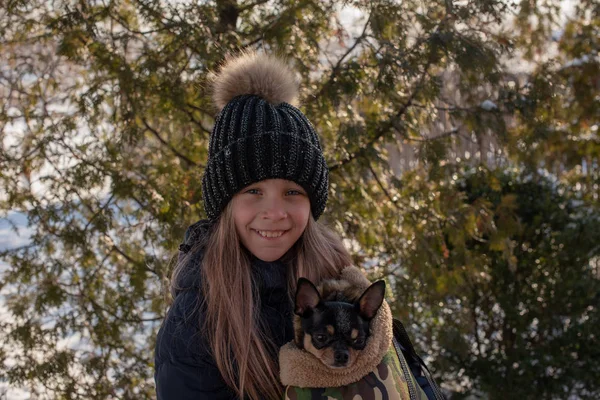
[335, 328]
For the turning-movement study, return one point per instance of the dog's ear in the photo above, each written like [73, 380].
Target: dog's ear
[307, 297]
[371, 299]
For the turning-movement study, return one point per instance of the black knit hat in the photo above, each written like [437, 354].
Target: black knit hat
[259, 135]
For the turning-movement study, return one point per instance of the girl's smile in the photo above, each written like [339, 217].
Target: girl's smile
[270, 235]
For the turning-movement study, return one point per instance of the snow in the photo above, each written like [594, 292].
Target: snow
[488, 105]
[584, 59]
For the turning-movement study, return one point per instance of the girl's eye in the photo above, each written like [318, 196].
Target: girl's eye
[252, 191]
[294, 192]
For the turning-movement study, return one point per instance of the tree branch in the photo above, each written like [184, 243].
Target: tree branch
[167, 144]
[443, 135]
[196, 122]
[336, 68]
[383, 189]
[385, 127]
[248, 6]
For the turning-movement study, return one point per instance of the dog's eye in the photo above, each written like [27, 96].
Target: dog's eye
[320, 337]
[359, 341]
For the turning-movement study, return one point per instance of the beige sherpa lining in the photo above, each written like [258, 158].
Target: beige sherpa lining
[300, 368]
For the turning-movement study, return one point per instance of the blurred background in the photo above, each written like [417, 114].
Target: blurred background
[462, 138]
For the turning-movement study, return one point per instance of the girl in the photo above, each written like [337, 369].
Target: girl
[264, 187]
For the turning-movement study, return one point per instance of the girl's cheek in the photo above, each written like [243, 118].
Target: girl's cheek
[248, 201]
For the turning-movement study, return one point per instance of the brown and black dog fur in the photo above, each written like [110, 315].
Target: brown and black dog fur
[332, 321]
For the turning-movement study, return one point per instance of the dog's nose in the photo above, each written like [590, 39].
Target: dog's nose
[341, 356]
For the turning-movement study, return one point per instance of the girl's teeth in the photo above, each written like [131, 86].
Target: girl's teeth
[270, 234]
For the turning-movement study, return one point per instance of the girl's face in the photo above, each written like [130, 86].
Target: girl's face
[270, 216]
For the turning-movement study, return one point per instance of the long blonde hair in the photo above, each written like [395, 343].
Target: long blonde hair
[232, 317]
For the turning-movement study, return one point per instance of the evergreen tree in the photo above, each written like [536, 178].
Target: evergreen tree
[105, 121]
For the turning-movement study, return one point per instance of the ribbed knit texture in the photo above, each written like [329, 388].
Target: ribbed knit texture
[254, 140]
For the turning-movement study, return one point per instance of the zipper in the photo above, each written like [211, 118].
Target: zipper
[412, 392]
[436, 390]
[400, 331]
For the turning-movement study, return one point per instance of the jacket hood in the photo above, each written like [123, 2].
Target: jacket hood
[300, 368]
[191, 252]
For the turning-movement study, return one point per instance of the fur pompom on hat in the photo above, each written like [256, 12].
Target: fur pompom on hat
[259, 134]
[253, 73]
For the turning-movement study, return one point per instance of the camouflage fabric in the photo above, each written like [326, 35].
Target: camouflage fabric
[387, 382]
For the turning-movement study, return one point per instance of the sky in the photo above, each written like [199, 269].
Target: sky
[10, 239]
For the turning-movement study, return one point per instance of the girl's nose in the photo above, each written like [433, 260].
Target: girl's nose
[274, 209]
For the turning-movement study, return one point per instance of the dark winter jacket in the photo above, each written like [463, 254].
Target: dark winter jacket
[184, 368]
